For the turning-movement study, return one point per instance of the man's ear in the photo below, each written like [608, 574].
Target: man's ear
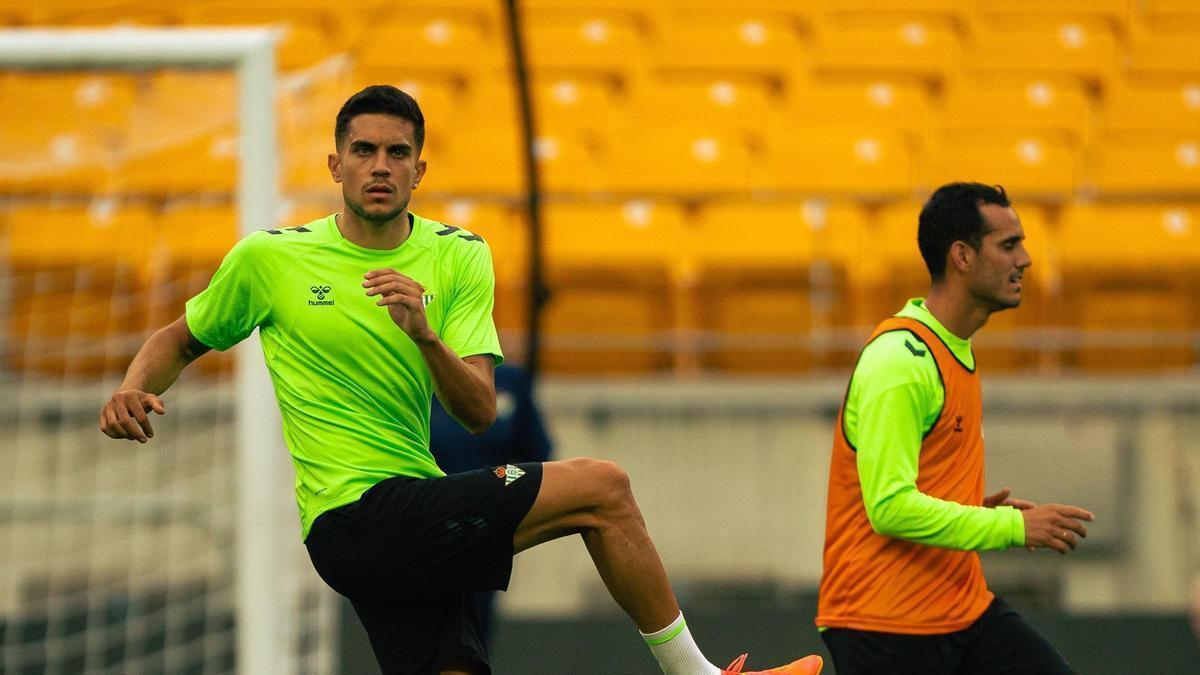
[335, 166]
[420, 173]
[962, 256]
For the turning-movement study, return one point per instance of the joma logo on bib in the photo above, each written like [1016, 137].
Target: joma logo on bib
[320, 291]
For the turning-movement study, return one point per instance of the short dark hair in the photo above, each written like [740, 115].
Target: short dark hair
[952, 214]
[382, 99]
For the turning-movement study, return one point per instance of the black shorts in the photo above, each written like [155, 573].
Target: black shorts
[411, 552]
[999, 642]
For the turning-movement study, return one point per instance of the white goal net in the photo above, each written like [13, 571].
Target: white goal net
[130, 161]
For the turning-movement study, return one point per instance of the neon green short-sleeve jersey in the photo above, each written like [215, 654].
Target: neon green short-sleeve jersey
[353, 389]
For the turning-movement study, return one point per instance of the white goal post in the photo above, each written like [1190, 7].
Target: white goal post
[262, 621]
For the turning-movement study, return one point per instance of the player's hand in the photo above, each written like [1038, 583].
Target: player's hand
[1002, 498]
[1055, 526]
[126, 415]
[404, 299]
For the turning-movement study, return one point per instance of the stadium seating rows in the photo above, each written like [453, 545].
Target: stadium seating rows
[752, 166]
[653, 285]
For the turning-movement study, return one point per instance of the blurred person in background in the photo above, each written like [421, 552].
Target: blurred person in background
[363, 315]
[517, 436]
[903, 588]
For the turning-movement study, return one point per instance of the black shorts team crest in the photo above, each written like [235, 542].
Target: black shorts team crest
[411, 552]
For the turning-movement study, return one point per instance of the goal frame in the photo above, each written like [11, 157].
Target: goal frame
[263, 626]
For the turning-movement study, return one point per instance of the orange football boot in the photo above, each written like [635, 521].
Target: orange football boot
[809, 665]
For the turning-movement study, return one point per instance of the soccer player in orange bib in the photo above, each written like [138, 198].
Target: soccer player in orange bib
[903, 589]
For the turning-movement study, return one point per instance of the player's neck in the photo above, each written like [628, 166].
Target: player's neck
[953, 307]
[370, 234]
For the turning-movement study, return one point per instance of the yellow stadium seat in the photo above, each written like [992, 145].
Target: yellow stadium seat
[1169, 7]
[1172, 109]
[447, 43]
[725, 42]
[476, 162]
[1164, 58]
[612, 270]
[185, 135]
[1131, 285]
[1165, 17]
[955, 14]
[742, 105]
[894, 272]
[567, 104]
[802, 14]
[105, 13]
[476, 149]
[1169, 16]
[854, 162]
[569, 162]
[771, 288]
[1113, 14]
[1028, 106]
[584, 44]
[64, 132]
[1073, 48]
[310, 32]
[1141, 165]
[1035, 166]
[487, 102]
[920, 49]
[79, 295]
[691, 160]
[12, 16]
[894, 104]
[640, 13]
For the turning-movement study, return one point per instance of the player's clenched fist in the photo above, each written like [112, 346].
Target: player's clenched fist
[404, 299]
[126, 415]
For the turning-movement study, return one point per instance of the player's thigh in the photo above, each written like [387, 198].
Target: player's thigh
[1006, 644]
[862, 652]
[572, 497]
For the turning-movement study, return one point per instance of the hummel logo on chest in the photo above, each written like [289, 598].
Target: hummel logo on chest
[320, 291]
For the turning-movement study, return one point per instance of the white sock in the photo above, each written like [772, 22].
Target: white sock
[677, 652]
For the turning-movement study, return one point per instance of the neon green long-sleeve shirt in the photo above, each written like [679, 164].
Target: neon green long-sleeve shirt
[894, 399]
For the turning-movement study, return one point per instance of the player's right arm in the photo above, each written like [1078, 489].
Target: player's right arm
[154, 369]
[235, 302]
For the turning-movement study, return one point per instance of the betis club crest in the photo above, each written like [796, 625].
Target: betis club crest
[509, 473]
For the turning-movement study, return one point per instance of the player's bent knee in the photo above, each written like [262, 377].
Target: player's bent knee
[606, 482]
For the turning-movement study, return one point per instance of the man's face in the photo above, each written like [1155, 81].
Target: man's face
[378, 166]
[1000, 263]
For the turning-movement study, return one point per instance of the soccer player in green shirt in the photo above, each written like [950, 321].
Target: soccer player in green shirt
[362, 316]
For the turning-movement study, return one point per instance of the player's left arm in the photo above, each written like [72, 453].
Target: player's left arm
[888, 458]
[465, 385]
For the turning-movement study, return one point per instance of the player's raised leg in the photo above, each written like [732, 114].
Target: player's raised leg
[593, 498]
